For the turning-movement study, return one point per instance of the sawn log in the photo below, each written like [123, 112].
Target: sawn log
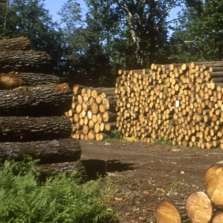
[42, 100]
[53, 151]
[18, 60]
[19, 43]
[16, 79]
[18, 128]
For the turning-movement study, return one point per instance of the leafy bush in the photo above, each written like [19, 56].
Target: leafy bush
[59, 200]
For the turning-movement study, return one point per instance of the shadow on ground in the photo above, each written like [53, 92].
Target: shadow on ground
[99, 168]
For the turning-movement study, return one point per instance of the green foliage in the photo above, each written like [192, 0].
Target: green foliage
[60, 200]
[199, 34]
[115, 135]
[114, 34]
[31, 19]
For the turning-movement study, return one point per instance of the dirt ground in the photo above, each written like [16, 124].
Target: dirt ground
[144, 174]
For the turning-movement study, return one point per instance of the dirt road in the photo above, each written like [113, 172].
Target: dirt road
[145, 174]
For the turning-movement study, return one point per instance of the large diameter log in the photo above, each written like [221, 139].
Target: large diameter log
[199, 208]
[214, 184]
[43, 100]
[48, 169]
[19, 60]
[166, 212]
[218, 218]
[15, 79]
[53, 151]
[19, 43]
[20, 128]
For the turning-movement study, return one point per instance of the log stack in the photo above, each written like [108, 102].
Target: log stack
[32, 106]
[200, 207]
[179, 103]
[92, 112]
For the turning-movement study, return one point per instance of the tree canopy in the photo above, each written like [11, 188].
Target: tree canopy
[91, 44]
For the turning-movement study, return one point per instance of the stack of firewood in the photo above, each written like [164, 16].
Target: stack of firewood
[32, 104]
[92, 112]
[200, 207]
[180, 103]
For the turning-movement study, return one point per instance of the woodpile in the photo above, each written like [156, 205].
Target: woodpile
[32, 107]
[180, 103]
[201, 207]
[92, 112]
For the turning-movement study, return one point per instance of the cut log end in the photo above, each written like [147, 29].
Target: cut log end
[218, 218]
[166, 212]
[199, 208]
[214, 184]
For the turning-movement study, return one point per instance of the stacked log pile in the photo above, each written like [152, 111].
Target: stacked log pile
[92, 112]
[180, 103]
[200, 207]
[32, 106]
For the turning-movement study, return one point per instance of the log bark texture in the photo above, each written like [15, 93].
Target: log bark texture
[41, 100]
[48, 169]
[19, 43]
[15, 79]
[34, 128]
[53, 151]
[18, 60]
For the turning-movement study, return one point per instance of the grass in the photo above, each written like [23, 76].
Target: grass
[113, 135]
[60, 199]
[163, 142]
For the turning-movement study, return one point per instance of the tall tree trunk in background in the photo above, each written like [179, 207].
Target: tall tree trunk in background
[4, 12]
[130, 17]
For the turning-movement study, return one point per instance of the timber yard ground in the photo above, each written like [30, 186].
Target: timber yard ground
[143, 174]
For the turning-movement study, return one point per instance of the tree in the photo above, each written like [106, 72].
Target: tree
[201, 31]
[87, 42]
[115, 33]
[3, 13]
[30, 18]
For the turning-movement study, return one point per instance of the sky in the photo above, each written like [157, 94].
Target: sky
[54, 7]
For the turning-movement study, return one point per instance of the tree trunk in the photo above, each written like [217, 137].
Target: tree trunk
[167, 213]
[41, 100]
[16, 79]
[19, 43]
[31, 129]
[54, 151]
[19, 60]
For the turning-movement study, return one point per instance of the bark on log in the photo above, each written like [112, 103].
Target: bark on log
[19, 43]
[19, 60]
[61, 167]
[41, 100]
[32, 129]
[15, 79]
[54, 151]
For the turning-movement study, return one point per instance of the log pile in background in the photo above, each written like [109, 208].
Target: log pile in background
[200, 207]
[92, 112]
[180, 103]
[32, 107]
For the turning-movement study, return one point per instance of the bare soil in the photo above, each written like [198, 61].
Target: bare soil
[143, 174]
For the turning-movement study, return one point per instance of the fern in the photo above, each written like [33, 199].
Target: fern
[59, 200]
